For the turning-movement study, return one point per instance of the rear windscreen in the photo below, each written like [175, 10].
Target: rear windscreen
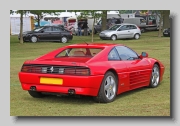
[79, 52]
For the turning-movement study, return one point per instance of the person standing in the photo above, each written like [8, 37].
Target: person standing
[85, 26]
[79, 29]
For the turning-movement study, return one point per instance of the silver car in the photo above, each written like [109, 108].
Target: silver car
[121, 31]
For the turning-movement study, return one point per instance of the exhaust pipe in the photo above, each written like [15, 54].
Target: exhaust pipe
[71, 91]
[33, 88]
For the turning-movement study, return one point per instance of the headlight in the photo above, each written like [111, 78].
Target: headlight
[107, 33]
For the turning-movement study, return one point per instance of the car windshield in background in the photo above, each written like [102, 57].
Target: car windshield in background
[115, 27]
[38, 29]
[79, 52]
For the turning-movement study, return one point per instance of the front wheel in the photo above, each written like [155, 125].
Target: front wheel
[108, 89]
[113, 37]
[34, 39]
[154, 82]
[64, 39]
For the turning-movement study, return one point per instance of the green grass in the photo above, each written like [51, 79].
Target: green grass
[140, 102]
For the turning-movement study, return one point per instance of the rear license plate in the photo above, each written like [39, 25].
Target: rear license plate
[46, 80]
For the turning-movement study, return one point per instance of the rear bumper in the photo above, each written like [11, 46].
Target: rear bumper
[83, 85]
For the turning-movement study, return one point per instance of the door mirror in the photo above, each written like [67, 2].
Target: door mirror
[143, 54]
[42, 31]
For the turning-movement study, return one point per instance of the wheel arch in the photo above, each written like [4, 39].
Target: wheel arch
[116, 75]
[159, 68]
[32, 36]
[64, 36]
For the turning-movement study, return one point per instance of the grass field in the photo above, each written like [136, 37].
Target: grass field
[140, 102]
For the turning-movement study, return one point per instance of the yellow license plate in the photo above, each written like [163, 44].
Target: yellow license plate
[45, 80]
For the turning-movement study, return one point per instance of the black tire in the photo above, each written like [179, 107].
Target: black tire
[36, 94]
[109, 94]
[136, 36]
[113, 37]
[142, 30]
[95, 31]
[24, 40]
[34, 39]
[64, 39]
[155, 76]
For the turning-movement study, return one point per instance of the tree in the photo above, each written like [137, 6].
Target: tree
[21, 12]
[104, 20]
[166, 21]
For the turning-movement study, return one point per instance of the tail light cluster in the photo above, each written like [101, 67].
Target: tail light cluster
[84, 71]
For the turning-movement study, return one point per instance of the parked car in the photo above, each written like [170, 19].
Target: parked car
[98, 70]
[47, 33]
[166, 32]
[121, 31]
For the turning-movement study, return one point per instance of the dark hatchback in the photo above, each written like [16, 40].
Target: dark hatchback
[166, 32]
[47, 33]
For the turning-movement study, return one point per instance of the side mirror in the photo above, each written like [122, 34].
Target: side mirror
[143, 54]
[42, 31]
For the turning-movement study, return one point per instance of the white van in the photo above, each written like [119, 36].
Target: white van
[139, 21]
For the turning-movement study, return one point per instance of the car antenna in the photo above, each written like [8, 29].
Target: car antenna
[86, 43]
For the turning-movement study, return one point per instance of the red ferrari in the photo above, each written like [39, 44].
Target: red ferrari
[99, 70]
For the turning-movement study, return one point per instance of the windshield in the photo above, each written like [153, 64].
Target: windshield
[115, 27]
[37, 29]
[79, 52]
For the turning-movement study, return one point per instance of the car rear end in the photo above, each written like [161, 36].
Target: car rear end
[62, 75]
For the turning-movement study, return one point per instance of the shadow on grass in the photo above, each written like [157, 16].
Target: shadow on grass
[77, 99]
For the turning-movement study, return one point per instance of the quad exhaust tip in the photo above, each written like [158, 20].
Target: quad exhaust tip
[33, 88]
[71, 91]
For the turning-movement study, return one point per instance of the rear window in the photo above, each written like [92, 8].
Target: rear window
[79, 52]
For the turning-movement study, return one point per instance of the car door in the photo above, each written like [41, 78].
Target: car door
[45, 33]
[121, 69]
[138, 69]
[56, 33]
[123, 32]
[132, 30]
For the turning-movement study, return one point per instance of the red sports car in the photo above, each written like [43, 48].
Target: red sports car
[99, 70]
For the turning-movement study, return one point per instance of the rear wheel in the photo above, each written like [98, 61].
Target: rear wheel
[108, 89]
[36, 94]
[154, 82]
[142, 30]
[136, 36]
[64, 39]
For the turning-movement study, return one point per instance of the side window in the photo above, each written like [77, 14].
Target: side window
[124, 27]
[56, 29]
[126, 53]
[47, 29]
[133, 27]
[113, 55]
